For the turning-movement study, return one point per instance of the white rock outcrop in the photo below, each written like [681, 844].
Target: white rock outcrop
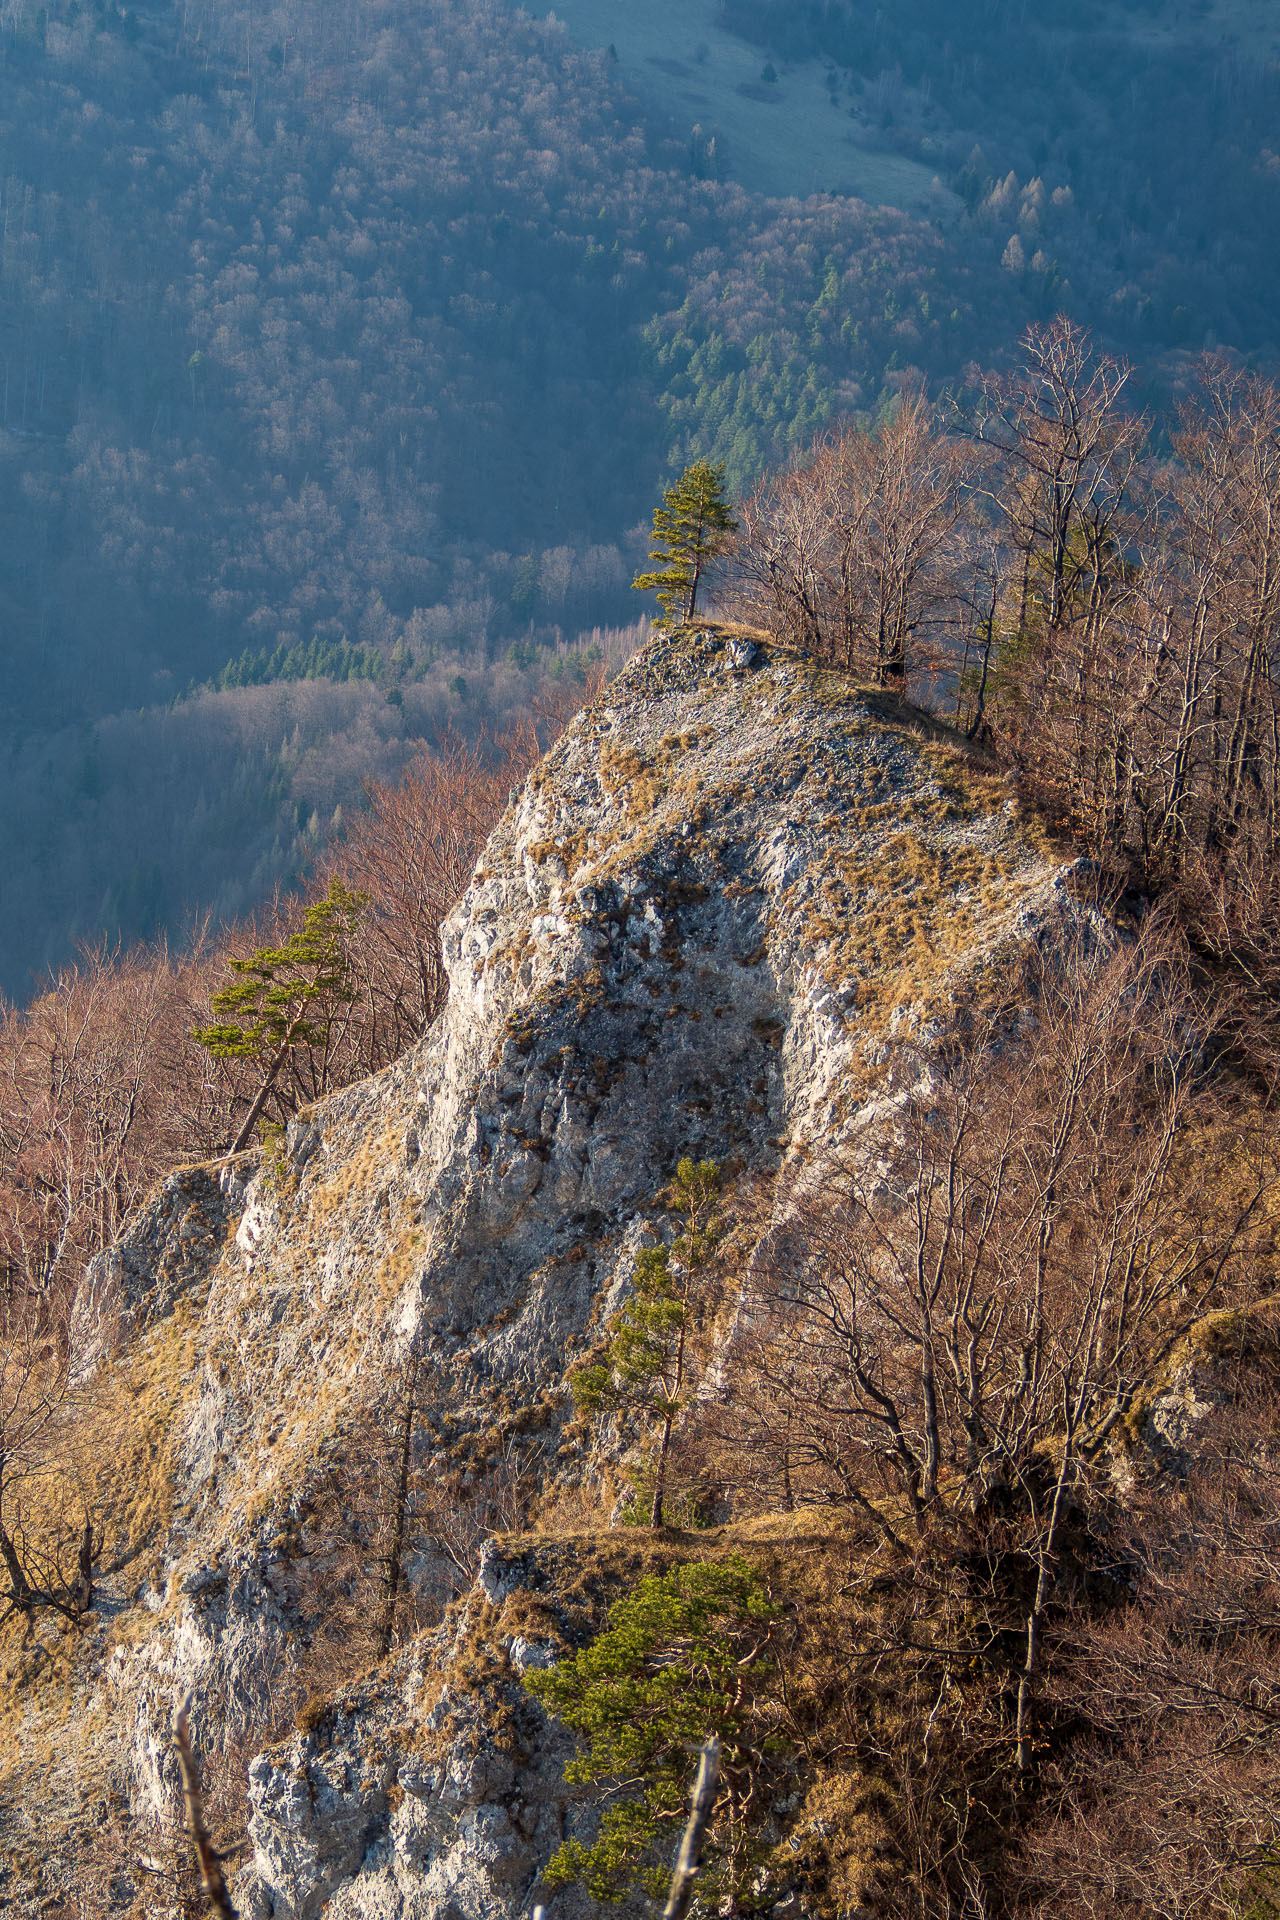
[691, 932]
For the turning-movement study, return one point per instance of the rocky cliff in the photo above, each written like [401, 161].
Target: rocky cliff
[690, 933]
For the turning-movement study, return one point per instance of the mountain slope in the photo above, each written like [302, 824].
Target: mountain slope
[690, 933]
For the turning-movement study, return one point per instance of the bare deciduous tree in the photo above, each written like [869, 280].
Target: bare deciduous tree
[100, 1085]
[48, 1542]
[398, 1522]
[964, 1308]
[412, 854]
[856, 554]
[1170, 1807]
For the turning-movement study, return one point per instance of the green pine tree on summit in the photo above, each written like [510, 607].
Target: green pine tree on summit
[689, 529]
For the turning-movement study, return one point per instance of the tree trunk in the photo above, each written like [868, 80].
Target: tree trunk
[82, 1598]
[399, 1524]
[250, 1120]
[22, 1597]
[660, 1475]
[1044, 1583]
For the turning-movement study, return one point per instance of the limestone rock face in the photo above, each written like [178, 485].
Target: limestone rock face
[1201, 1381]
[421, 1794]
[690, 933]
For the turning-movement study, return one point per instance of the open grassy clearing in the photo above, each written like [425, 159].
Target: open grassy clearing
[789, 137]
[778, 138]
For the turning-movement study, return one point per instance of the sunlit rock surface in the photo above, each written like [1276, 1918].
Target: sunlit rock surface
[734, 875]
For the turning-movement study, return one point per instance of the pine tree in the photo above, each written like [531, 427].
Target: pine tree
[644, 1365]
[687, 1653]
[286, 997]
[689, 529]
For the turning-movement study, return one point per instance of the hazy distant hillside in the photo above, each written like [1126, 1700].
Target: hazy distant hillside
[144, 822]
[1129, 149]
[317, 322]
[371, 331]
[377, 327]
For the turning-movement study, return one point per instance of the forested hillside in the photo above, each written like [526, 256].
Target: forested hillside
[1124, 153]
[352, 328]
[353, 343]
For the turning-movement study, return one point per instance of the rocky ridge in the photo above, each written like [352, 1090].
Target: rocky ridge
[690, 933]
